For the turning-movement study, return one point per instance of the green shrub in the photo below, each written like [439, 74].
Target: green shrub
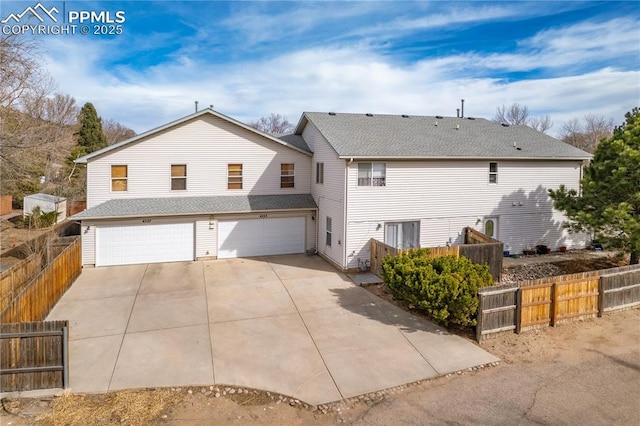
[39, 219]
[446, 288]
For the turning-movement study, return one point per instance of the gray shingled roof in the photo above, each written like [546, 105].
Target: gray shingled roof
[295, 140]
[181, 206]
[382, 136]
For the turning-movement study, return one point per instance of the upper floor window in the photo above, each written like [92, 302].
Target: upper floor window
[119, 176]
[178, 177]
[287, 177]
[372, 174]
[234, 176]
[319, 172]
[493, 172]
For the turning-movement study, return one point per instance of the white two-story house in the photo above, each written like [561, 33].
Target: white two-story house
[208, 186]
[205, 186]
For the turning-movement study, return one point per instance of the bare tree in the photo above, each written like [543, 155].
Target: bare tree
[517, 114]
[35, 125]
[116, 132]
[541, 124]
[513, 115]
[274, 124]
[587, 135]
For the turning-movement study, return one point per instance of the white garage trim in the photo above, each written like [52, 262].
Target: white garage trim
[261, 237]
[133, 243]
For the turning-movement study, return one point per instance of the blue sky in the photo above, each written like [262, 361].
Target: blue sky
[249, 59]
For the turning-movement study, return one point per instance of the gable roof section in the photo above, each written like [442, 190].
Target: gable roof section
[298, 147]
[404, 136]
[189, 206]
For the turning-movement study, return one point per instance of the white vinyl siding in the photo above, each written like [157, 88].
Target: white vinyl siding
[206, 237]
[445, 196]
[330, 196]
[207, 144]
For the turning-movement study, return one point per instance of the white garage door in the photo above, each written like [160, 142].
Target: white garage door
[260, 237]
[144, 243]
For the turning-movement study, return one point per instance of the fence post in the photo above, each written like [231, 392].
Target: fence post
[65, 356]
[601, 299]
[479, 317]
[518, 313]
[554, 304]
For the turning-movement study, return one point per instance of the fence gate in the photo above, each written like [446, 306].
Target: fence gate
[34, 355]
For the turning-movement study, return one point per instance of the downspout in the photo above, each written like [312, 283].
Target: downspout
[318, 225]
[346, 203]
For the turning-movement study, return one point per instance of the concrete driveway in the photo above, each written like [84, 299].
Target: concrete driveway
[289, 324]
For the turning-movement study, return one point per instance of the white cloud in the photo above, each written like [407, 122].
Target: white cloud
[357, 79]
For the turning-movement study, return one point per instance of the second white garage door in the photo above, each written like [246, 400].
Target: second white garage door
[260, 237]
[144, 243]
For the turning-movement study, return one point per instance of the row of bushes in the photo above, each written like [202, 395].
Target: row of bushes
[445, 288]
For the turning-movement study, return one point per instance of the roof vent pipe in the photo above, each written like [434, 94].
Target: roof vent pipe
[458, 112]
[462, 109]
[196, 102]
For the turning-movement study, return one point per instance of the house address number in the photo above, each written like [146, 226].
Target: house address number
[146, 220]
[264, 216]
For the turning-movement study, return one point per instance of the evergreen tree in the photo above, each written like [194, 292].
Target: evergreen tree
[609, 202]
[90, 134]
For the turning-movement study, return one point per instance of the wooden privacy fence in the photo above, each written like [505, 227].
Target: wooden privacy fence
[35, 301]
[34, 355]
[553, 300]
[479, 249]
[15, 278]
[379, 250]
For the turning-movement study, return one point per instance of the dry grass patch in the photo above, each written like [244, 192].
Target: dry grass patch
[128, 407]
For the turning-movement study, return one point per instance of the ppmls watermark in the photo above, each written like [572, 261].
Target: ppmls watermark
[40, 20]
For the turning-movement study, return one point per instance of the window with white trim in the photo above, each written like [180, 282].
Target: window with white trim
[328, 232]
[493, 172]
[178, 177]
[372, 174]
[119, 176]
[287, 175]
[320, 173]
[402, 235]
[234, 176]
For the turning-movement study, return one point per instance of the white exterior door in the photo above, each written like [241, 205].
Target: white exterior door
[491, 227]
[144, 243]
[260, 237]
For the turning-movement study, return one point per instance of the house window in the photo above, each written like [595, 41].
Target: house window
[372, 174]
[402, 235]
[319, 172]
[287, 176]
[119, 178]
[328, 228]
[178, 177]
[234, 173]
[493, 172]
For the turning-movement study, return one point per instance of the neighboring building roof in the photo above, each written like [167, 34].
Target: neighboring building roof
[295, 140]
[404, 136]
[183, 206]
[46, 198]
[136, 138]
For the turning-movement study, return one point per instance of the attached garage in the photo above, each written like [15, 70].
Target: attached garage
[126, 244]
[261, 237]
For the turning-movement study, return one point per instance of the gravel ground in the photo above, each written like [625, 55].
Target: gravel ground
[530, 272]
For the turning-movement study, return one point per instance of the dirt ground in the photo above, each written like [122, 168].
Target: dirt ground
[12, 235]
